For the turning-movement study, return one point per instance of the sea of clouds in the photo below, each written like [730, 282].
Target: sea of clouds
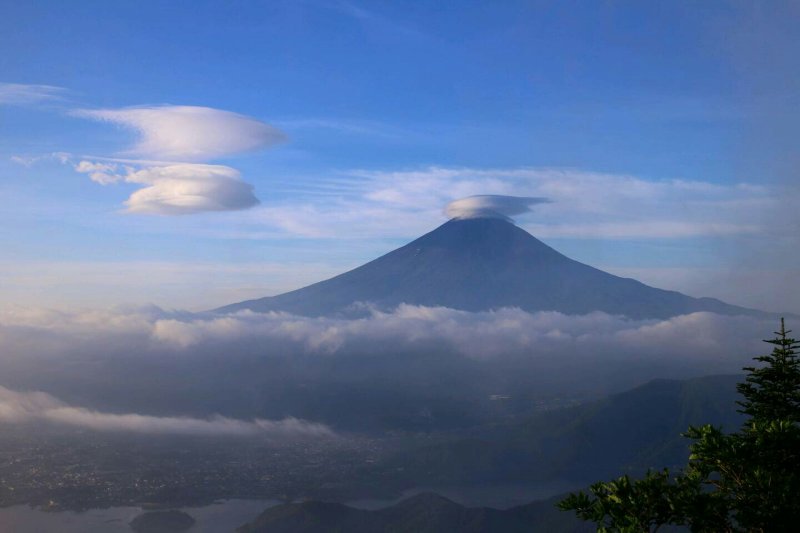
[704, 341]
[488, 334]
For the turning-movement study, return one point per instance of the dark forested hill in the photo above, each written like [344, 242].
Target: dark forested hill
[632, 430]
[424, 513]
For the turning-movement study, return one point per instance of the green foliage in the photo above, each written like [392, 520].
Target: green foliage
[772, 392]
[633, 506]
[756, 471]
[744, 481]
[630, 506]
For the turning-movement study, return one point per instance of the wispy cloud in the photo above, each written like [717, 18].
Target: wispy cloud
[18, 407]
[378, 24]
[24, 94]
[189, 133]
[367, 129]
[584, 204]
[27, 160]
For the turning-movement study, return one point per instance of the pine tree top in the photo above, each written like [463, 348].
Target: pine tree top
[772, 391]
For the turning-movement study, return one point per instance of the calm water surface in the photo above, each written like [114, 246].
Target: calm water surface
[227, 515]
[216, 518]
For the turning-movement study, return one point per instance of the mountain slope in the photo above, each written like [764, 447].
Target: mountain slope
[625, 432]
[423, 513]
[481, 264]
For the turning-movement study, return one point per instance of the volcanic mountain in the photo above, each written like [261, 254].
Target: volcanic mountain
[478, 264]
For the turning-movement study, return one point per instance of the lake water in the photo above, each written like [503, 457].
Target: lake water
[217, 518]
[227, 515]
[497, 496]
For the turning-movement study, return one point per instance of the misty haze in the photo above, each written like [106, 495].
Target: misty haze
[344, 266]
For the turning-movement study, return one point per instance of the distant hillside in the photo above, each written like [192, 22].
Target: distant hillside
[630, 431]
[481, 264]
[424, 513]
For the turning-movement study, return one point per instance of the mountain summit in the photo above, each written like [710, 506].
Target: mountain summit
[478, 264]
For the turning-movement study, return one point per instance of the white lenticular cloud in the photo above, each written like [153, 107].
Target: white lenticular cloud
[189, 133]
[41, 407]
[189, 188]
[184, 133]
[177, 189]
[491, 206]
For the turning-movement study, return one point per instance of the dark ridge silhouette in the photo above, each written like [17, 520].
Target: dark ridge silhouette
[625, 432]
[423, 513]
[479, 264]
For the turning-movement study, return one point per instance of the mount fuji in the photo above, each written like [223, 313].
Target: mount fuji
[479, 264]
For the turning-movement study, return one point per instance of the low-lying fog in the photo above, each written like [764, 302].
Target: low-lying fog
[153, 370]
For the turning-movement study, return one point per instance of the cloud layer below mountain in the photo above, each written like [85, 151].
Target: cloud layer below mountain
[699, 337]
[154, 371]
[38, 407]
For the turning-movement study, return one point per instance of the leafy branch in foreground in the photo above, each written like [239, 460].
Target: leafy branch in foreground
[743, 481]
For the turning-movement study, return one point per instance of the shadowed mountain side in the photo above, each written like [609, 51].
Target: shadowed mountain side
[630, 431]
[171, 521]
[424, 513]
[481, 264]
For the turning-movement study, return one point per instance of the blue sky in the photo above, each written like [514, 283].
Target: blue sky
[191, 154]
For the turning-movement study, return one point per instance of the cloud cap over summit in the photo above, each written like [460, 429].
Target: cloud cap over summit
[492, 206]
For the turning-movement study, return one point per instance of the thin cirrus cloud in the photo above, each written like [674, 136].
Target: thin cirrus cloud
[24, 407]
[27, 94]
[177, 189]
[186, 134]
[581, 204]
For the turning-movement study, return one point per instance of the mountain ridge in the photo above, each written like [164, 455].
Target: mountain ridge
[480, 264]
[424, 513]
